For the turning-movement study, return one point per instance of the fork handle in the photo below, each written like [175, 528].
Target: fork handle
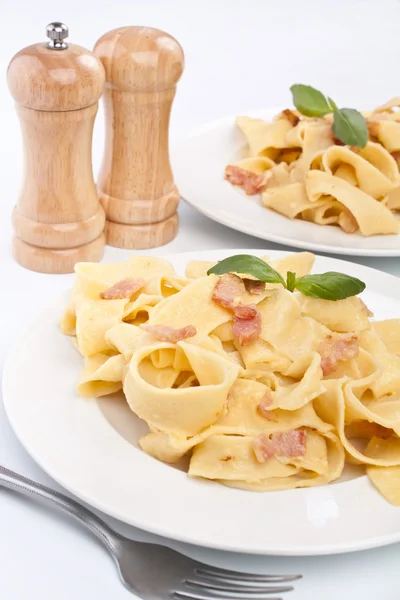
[23, 485]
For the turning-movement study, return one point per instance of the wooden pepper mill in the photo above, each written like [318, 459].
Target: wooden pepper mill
[58, 220]
[135, 182]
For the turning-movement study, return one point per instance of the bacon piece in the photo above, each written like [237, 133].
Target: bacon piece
[247, 318]
[245, 311]
[254, 286]
[288, 443]
[246, 328]
[290, 116]
[250, 182]
[164, 333]
[347, 221]
[337, 347]
[263, 406]
[125, 288]
[227, 290]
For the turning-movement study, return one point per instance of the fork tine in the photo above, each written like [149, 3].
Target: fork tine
[214, 573]
[196, 596]
[235, 588]
[235, 591]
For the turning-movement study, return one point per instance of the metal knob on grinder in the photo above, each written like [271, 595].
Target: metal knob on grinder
[57, 32]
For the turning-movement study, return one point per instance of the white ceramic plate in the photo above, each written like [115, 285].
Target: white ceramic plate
[199, 162]
[91, 448]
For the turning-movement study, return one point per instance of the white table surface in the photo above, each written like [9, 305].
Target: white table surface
[240, 54]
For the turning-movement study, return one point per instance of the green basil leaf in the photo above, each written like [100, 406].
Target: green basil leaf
[330, 286]
[350, 127]
[250, 265]
[290, 281]
[309, 101]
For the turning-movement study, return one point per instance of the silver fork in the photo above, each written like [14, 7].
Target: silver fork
[155, 572]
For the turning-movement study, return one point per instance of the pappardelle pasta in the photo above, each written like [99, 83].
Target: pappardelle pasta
[263, 388]
[302, 171]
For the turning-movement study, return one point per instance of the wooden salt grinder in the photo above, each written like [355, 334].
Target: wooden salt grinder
[135, 182]
[58, 220]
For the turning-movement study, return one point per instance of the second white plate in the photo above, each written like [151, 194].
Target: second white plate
[199, 162]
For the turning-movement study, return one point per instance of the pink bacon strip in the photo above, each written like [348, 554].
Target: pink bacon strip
[164, 333]
[341, 347]
[263, 408]
[228, 290]
[246, 324]
[288, 443]
[250, 182]
[125, 288]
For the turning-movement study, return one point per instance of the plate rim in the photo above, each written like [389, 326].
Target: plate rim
[322, 549]
[181, 140]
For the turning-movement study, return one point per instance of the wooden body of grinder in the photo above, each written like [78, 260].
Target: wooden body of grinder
[135, 182]
[58, 220]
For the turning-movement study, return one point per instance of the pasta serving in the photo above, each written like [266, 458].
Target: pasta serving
[263, 388]
[302, 171]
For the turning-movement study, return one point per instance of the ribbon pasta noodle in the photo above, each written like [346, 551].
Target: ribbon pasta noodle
[316, 387]
[303, 172]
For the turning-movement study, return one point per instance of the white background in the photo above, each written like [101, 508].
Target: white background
[240, 55]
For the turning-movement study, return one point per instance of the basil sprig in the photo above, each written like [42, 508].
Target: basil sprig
[241, 263]
[327, 286]
[349, 125]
